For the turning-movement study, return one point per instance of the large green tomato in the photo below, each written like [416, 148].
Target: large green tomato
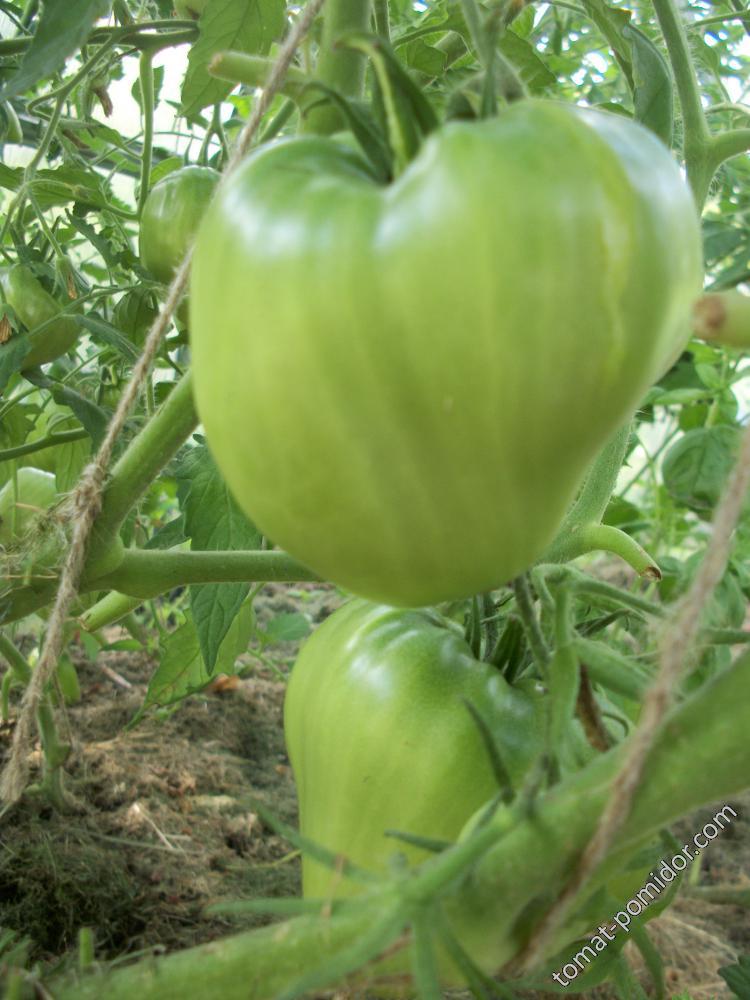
[403, 386]
[170, 217]
[380, 738]
[50, 333]
[20, 501]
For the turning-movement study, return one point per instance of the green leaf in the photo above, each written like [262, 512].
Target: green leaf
[105, 333]
[62, 29]
[406, 110]
[696, 467]
[242, 25]
[364, 129]
[289, 627]
[111, 256]
[12, 354]
[169, 535]
[534, 72]
[423, 58]
[652, 85]
[213, 522]
[92, 417]
[710, 376]
[165, 167]
[737, 977]
[612, 22]
[181, 669]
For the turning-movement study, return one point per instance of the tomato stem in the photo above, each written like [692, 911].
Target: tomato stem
[530, 622]
[17, 663]
[605, 538]
[148, 573]
[111, 608]
[146, 79]
[143, 460]
[341, 69]
[697, 143]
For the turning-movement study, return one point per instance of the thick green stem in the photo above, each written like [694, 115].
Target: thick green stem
[340, 69]
[145, 573]
[697, 138]
[147, 112]
[17, 663]
[581, 531]
[597, 487]
[142, 461]
[382, 19]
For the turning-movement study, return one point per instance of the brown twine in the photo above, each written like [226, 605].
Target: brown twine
[676, 638]
[86, 500]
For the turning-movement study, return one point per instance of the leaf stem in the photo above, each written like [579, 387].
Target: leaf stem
[145, 573]
[146, 78]
[341, 69]
[530, 623]
[59, 437]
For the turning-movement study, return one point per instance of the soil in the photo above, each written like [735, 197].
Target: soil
[171, 820]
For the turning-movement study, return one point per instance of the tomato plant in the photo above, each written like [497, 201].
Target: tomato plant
[373, 392]
[448, 350]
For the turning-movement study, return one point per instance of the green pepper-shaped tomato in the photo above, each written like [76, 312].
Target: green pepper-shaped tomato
[404, 385]
[380, 738]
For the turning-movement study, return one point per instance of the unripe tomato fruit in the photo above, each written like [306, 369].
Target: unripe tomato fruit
[170, 217]
[404, 386]
[379, 736]
[33, 491]
[36, 308]
[135, 313]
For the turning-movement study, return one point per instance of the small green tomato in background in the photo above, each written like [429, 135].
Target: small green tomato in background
[20, 501]
[50, 333]
[171, 214]
[135, 313]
